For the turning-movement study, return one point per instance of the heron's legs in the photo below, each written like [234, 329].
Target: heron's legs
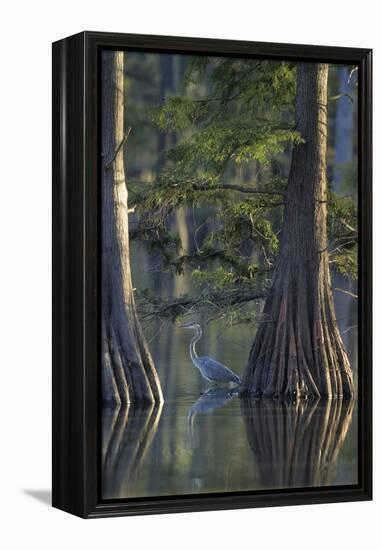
[207, 386]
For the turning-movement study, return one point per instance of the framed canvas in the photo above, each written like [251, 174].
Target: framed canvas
[211, 274]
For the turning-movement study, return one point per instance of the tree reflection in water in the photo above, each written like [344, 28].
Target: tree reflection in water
[296, 444]
[127, 434]
[221, 443]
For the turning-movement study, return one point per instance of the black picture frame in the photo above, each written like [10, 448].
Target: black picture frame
[76, 400]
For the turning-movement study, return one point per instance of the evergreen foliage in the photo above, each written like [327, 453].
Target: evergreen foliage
[233, 117]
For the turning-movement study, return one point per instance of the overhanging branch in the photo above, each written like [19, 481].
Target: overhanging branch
[234, 187]
[151, 308]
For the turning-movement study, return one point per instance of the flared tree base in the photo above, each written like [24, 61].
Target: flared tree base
[300, 354]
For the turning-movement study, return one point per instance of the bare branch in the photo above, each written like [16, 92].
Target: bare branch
[347, 225]
[339, 96]
[125, 137]
[346, 292]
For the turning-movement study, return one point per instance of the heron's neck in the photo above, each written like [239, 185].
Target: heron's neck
[192, 345]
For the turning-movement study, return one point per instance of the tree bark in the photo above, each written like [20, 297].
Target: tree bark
[298, 349]
[128, 372]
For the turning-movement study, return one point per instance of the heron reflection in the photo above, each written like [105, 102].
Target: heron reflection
[213, 398]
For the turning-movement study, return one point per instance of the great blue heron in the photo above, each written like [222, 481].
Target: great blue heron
[210, 369]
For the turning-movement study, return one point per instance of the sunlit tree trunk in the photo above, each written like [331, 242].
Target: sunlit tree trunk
[298, 349]
[128, 373]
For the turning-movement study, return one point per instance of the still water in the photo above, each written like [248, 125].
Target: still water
[220, 443]
[208, 441]
[204, 440]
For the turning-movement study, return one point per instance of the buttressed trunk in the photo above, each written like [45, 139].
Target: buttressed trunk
[298, 350]
[128, 372]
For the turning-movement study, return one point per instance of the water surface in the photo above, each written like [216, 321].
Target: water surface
[220, 443]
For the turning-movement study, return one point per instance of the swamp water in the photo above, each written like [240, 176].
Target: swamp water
[220, 443]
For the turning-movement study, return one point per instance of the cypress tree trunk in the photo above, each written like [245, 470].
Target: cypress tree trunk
[128, 373]
[298, 349]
